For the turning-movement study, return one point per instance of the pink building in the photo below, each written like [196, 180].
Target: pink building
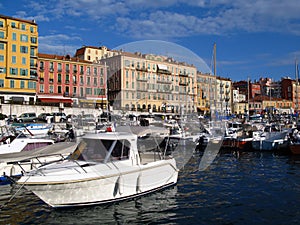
[69, 81]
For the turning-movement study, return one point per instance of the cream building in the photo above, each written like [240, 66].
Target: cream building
[146, 82]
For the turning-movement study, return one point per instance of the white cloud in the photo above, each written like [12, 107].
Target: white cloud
[56, 44]
[177, 18]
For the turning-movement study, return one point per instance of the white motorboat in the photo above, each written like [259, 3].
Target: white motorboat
[22, 143]
[14, 164]
[35, 129]
[104, 168]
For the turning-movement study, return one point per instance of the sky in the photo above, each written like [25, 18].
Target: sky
[254, 39]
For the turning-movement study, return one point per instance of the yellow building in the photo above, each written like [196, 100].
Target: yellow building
[18, 60]
[204, 91]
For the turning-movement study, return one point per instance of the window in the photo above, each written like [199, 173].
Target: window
[41, 65]
[59, 78]
[13, 24]
[1, 46]
[1, 58]
[41, 88]
[127, 63]
[31, 29]
[24, 38]
[23, 26]
[59, 67]
[2, 70]
[1, 83]
[14, 36]
[13, 71]
[12, 84]
[51, 88]
[88, 91]
[22, 84]
[88, 81]
[31, 85]
[1, 34]
[24, 61]
[13, 48]
[1, 24]
[95, 81]
[23, 49]
[23, 72]
[88, 71]
[13, 59]
[32, 52]
[59, 89]
[33, 40]
[101, 81]
[51, 66]
[95, 71]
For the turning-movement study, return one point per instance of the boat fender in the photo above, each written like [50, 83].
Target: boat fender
[138, 184]
[12, 171]
[118, 186]
[121, 185]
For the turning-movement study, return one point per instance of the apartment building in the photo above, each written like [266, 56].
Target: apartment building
[66, 81]
[146, 82]
[18, 60]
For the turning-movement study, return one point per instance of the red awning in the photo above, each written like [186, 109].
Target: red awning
[56, 100]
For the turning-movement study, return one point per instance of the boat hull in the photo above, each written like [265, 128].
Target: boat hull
[295, 149]
[107, 187]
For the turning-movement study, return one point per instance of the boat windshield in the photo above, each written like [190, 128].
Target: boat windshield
[100, 150]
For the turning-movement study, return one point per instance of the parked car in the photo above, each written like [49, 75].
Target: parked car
[26, 117]
[57, 117]
[43, 116]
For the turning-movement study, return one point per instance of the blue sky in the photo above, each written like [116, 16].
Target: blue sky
[259, 38]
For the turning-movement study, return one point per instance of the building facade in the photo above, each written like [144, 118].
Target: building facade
[151, 83]
[18, 60]
[69, 81]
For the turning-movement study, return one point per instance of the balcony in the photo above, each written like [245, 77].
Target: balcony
[161, 71]
[33, 65]
[183, 83]
[183, 74]
[143, 69]
[34, 76]
[51, 80]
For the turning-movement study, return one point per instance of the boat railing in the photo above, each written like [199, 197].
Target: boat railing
[37, 161]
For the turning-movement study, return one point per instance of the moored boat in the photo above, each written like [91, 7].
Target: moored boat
[104, 168]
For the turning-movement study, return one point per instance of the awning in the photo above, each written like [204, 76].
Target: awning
[56, 100]
[162, 67]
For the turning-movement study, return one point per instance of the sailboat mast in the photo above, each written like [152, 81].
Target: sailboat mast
[215, 75]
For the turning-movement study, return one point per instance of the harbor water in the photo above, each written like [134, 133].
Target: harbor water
[248, 188]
